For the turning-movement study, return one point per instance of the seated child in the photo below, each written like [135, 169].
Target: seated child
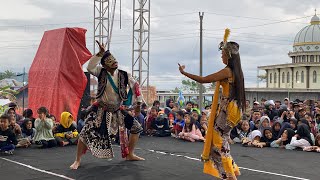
[161, 126]
[178, 123]
[190, 132]
[151, 118]
[16, 129]
[204, 123]
[7, 137]
[27, 130]
[43, 125]
[66, 133]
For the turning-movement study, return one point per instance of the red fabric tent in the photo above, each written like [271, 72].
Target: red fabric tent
[56, 78]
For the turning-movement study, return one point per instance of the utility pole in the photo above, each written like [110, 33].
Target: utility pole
[23, 89]
[200, 85]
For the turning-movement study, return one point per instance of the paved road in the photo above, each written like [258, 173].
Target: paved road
[167, 158]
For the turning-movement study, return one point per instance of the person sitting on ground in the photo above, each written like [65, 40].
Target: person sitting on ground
[44, 136]
[190, 132]
[28, 113]
[293, 123]
[27, 130]
[302, 137]
[80, 122]
[267, 138]
[171, 118]
[253, 139]
[189, 106]
[315, 148]
[243, 133]
[151, 118]
[284, 140]
[264, 123]
[66, 133]
[16, 129]
[204, 122]
[14, 106]
[178, 124]
[276, 128]
[7, 137]
[161, 125]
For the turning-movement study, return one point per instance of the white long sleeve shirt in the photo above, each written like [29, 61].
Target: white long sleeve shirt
[110, 96]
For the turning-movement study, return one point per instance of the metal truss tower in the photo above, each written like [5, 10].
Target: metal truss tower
[103, 21]
[141, 44]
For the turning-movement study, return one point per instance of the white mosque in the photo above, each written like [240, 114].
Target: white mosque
[304, 70]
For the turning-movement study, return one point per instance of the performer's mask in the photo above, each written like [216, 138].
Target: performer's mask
[108, 59]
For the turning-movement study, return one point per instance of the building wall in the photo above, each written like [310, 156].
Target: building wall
[297, 81]
[314, 85]
[285, 83]
[255, 95]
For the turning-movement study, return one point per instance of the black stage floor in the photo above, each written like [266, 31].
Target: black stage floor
[166, 158]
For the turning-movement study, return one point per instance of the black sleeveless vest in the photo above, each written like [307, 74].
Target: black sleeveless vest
[122, 83]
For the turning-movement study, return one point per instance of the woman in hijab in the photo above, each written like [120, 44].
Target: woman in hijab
[264, 123]
[267, 138]
[284, 126]
[302, 138]
[284, 140]
[276, 127]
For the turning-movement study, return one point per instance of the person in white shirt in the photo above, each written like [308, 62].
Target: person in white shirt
[109, 116]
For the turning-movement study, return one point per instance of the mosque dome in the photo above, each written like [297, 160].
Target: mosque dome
[308, 38]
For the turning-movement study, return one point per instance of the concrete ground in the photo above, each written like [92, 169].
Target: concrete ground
[166, 158]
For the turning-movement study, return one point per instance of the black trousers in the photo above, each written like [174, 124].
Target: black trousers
[48, 144]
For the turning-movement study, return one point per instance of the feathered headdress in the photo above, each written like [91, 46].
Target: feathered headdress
[229, 47]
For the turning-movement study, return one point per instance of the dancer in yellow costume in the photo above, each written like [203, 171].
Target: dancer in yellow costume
[225, 114]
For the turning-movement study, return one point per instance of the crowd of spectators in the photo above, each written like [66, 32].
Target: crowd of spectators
[268, 123]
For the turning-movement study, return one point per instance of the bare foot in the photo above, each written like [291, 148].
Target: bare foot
[134, 158]
[75, 165]
[64, 143]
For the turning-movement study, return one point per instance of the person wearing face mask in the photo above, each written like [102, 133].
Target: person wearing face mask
[112, 97]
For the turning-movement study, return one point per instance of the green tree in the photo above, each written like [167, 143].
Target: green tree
[192, 86]
[6, 92]
[175, 90]
[262, 78]
[211, 86]
[6, 74]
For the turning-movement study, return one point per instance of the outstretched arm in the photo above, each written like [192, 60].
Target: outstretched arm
[93, 66]
[220, 75]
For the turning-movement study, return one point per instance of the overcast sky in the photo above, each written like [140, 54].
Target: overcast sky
[265, 31]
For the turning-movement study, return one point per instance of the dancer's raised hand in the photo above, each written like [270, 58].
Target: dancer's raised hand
[181, 68]
[102, 48]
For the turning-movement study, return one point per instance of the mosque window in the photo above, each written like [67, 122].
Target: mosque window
[288, 77]
[275, 77]
[297, 76]
[283, 77]
[311, 58]
[302, 77]
[270, 77]
[303, 58]
[314, 77]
